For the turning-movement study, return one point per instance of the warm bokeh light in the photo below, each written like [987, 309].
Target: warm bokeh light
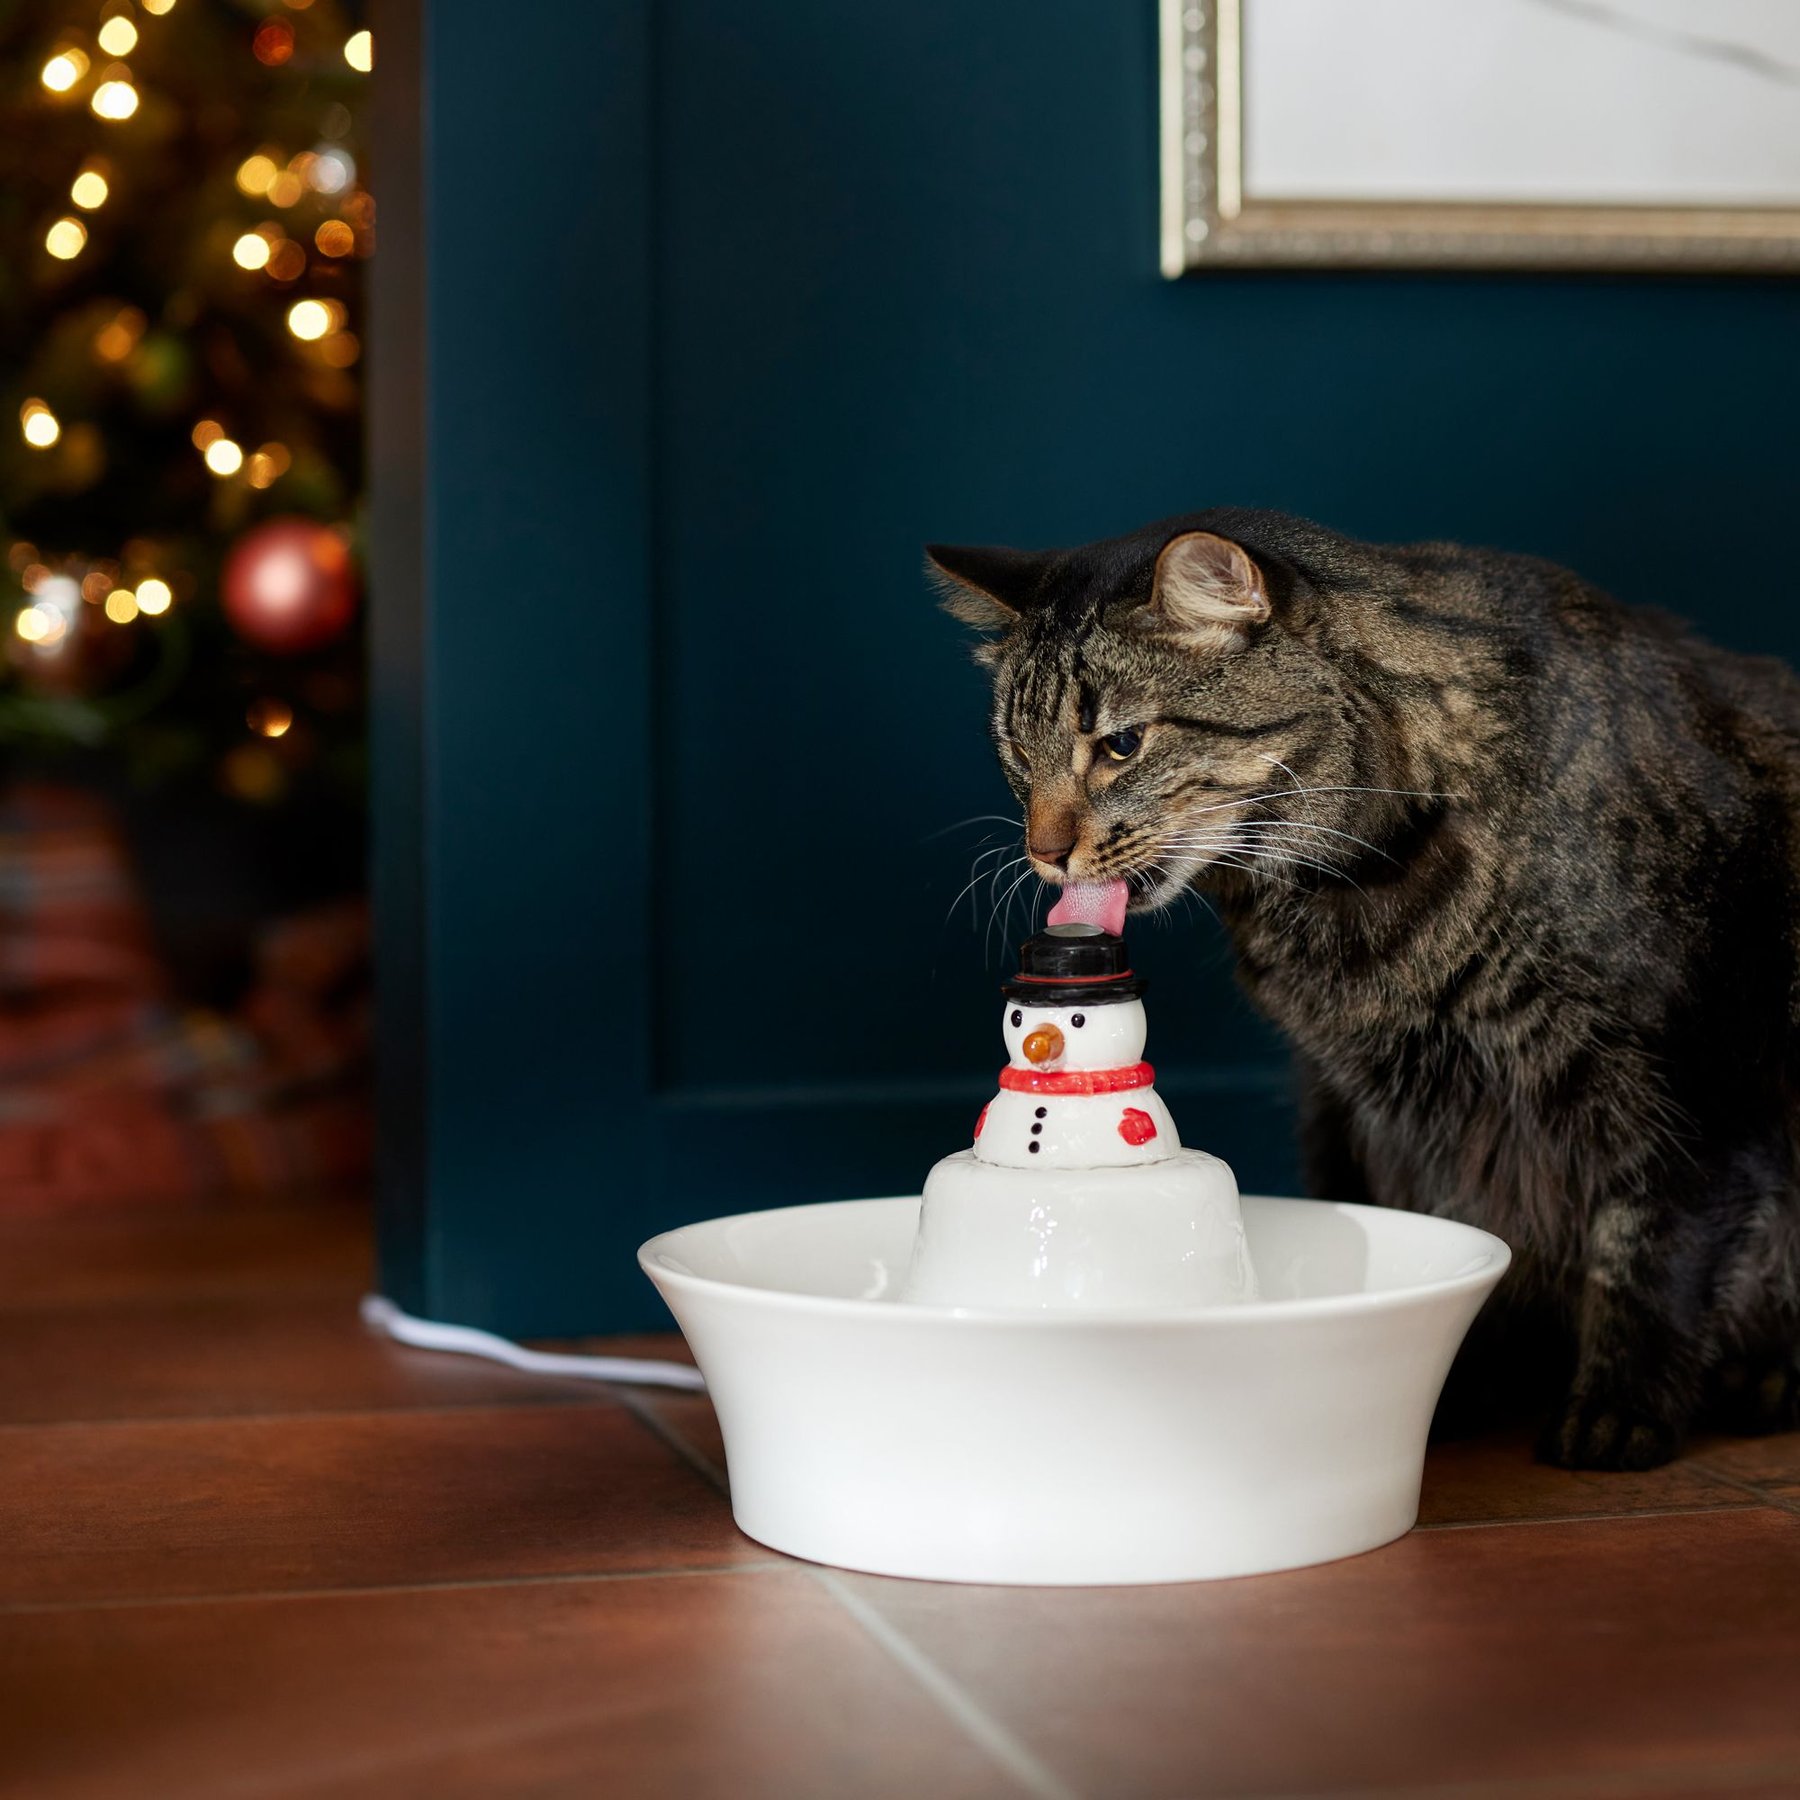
[66, 239]
[285, 188]
[273, 43]
[359, 52]
[121, 606]
[118, 338]
[255, 173]
[269, 718]
[251, 251]
[89, 190]
[330, 169]
[341, 349]
[223, 456]
[159, 7]
[335, 238]
[118, 37]
[38, 424]
[115, 99]
[154, 595]
[63, 70]
[287, 261]
[206, 431]
[309, 320]
[38, 625]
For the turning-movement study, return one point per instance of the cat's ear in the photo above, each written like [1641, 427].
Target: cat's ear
[986, 588]
[1206, 592]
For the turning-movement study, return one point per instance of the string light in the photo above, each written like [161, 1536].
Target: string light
[89, 190]
[118, 36]
[223, 456]
[309, 320]
[159, 7]
[285, 188]
[154, 595]
[359, 52]
[287, 261]
[251, 251]
[329, 169]
[335, 238]
[66, 239]
[39, 625]
[269, 718]
[116, 340]
[273, 43]
[121, 606]
[115, 98]
[38, 425]
[255, 173]
[206, 431]
[267, 465]
[63, 70]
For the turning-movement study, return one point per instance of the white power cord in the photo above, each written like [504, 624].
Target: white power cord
[381, 1314]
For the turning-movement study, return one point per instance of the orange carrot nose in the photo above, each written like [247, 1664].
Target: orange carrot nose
[1043, 1045]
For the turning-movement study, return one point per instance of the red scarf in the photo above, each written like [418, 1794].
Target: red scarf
[1076, 1081]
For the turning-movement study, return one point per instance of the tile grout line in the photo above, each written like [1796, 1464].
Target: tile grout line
[1597, 1518]
[26, 1609]
[1634, 1784]
[954, 1700]
[1782, 1501]
[976, 1724]
[671, 1439]
[600, 1394]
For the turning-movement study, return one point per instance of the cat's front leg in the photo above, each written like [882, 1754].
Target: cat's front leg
[1641, 1355]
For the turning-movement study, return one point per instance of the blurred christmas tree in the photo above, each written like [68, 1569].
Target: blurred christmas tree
[182, 201]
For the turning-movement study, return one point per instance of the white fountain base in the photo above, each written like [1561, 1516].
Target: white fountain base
[1074, 1448]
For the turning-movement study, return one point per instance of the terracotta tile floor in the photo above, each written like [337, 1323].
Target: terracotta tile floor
[248, 1550]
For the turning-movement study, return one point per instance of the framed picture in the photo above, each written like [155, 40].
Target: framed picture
[1640, 134]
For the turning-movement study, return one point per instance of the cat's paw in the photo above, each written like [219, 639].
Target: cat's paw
[1602, 1431]
[1755, 1398]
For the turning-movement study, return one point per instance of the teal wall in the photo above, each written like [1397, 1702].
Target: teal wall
[701, 319]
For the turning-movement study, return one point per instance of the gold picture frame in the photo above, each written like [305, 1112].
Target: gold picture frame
[1208, 221]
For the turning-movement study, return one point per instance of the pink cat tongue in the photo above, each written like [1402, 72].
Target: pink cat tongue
[1099, 903]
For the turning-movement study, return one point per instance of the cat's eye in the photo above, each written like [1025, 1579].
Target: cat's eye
[1019, 756]
[1121, 746]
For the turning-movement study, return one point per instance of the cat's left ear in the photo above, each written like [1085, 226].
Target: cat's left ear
[1207, 593]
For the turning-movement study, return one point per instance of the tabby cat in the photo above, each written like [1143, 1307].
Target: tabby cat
[1516, 868]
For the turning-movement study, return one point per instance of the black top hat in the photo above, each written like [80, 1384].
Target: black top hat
[1073, 965]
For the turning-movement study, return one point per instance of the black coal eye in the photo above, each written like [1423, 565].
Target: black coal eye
[1018, 1017]
[1079, 1019]
[1122, 745]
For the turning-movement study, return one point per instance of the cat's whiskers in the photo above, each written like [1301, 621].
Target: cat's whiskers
[980, 875]
[975, 819]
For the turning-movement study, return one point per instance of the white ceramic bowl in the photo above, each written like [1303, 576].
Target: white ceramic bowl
[1074, 1448]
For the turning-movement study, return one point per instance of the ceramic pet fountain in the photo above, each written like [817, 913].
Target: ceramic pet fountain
[1083, 1359]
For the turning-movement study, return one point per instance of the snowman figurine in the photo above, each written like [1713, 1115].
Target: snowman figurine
[1076, 1192]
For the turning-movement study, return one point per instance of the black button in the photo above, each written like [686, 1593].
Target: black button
[1043, 1112]
[1036, 1129]
[1033, 1148]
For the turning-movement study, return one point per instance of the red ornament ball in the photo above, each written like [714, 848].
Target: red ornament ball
[289, 586]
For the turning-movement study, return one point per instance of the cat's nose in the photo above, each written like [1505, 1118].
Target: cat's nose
[1056, 853]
